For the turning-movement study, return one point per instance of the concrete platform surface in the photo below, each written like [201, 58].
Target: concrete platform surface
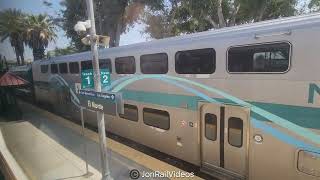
[8, 165]
[40, 156]
[47, 146]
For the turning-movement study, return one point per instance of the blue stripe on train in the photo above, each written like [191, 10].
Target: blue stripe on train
[284, 137]
[282, 122]
[303, 116]
[292, 113]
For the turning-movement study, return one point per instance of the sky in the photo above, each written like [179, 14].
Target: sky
[37, 7]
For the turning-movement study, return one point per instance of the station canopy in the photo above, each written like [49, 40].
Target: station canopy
[10, 80]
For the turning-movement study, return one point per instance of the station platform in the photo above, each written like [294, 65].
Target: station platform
[45, 146]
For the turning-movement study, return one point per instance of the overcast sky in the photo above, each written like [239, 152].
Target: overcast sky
[36, 7]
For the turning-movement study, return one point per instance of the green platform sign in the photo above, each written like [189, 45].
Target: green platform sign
[105, 77]
[87, 78]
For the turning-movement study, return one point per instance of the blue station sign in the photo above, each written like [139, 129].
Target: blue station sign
[100, 101]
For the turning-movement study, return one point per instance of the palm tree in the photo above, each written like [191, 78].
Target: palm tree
[12, 27]
[40, 31]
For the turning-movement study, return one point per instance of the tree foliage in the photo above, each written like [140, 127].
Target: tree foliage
[113, 17]
[39, 32]
[188, 16]
[61, 51]
[12, 27]
[314, 5]
[35, 31]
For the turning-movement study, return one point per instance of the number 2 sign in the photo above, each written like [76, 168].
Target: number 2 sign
[105, 77]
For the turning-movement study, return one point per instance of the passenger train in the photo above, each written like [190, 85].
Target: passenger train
[239, 102]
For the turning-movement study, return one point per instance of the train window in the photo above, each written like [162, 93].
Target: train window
[105, 64]
[85, 65]
[125, 65]
[154, 63]
[63, 68]
[265, 58]
[74, 68]
[54, 68]
[235, 131]
[156, 118]
[130, 112]
[44, 68]
[198, 61]
[210, 126]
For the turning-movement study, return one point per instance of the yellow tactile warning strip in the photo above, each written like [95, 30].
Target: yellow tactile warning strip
[130, 153]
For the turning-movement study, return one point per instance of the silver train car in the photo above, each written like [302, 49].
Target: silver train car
[240, 102]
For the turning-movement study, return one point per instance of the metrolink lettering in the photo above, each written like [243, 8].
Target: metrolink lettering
[313, 91]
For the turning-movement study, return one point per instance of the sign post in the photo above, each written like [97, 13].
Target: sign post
[97, 87]
[88, 174]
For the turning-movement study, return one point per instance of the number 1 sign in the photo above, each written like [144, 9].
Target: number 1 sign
[87, 79]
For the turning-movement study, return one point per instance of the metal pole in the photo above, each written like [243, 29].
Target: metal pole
[85, 145]
[97, 87]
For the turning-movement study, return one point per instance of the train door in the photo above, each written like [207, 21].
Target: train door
[224, 140]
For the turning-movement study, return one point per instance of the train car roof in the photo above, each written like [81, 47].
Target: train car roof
[281, 24]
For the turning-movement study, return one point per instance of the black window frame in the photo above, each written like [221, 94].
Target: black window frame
[71, 69]
[124, 116]
[214, 61]
[86, 63]
[159, 111]
[46, 69]
[215, 120]
[242, 129]
[66, 68]
[109, 63]
[57, 69]
[116, 61]
[142, 61]
[260, 44]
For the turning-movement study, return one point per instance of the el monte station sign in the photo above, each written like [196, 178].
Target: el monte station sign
[101, 101]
